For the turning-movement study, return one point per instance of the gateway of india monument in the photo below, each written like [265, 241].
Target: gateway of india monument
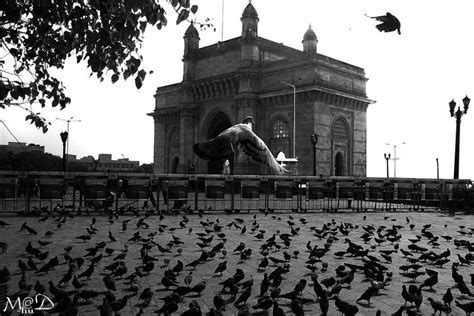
[254, 76]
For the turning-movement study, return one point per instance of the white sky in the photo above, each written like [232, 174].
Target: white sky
[412, 78]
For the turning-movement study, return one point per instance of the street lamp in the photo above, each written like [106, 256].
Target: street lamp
[395, 157]
[64, 138]
[458, 114]
[68, 121]
[314, 141]
[387, 158]
[294, 114]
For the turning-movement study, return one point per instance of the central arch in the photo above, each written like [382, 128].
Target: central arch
[218, 123]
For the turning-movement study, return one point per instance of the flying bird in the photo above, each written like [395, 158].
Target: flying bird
[238, 139]
[389, 23]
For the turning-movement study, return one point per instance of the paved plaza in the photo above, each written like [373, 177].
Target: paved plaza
[305, 245]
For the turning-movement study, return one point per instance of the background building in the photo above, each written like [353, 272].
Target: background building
[17, 148]
[105, 163]
[251, 75]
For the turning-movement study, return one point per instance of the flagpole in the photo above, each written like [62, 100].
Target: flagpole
[222, 26]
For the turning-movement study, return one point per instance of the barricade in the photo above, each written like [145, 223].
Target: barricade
[250, 194]
[94, 190]
[8, 190]
[315, 189]
[32, 191]
[329, 194]
[458, 194]
[50, 188]
[431, 193]
[176, 188]
[136, 188]
[344, 192]
[283, 194]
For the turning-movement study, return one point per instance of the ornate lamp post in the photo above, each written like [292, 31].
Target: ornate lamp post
[387, 158]
[458, 114]
[314, 141]
[395, 157]
[68, 121]
[64, 137]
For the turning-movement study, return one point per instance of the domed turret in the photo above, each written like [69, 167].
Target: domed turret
[249, 11]
[191, 31]
[191, 45]
[310, 41]
[191, 40]
[249, 22]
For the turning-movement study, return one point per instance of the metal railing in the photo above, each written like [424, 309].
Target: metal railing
[35, 192]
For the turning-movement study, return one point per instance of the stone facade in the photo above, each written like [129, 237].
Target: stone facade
[251, 75]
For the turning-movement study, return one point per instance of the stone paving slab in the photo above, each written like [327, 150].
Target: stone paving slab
[387, 301]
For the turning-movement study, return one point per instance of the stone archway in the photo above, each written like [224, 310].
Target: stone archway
[219, 123]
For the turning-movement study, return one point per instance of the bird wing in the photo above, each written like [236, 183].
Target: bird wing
[255, 147]
[382, 18]
[222, 147]
[218, 148]
[389, 23]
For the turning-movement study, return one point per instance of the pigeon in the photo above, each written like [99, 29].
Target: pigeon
[448, 297]
[221, 267]
[109, 283]
[389, 23]
[468, 307]
[219, 302]
[367, 295]
[198, 288]
[239, 138]
[438, 306]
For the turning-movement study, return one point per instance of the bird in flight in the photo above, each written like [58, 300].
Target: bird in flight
[238, 139]
[389, 23]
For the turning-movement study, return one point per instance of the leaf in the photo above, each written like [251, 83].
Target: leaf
[141, 74]
[138, 82]
[3, 91]
[115, 77]
[183, 15]
[184, 3]
[194, 8]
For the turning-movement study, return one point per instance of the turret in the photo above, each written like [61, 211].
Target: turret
[310, 41]
[191, 45]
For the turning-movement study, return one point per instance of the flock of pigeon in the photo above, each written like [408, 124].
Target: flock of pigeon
[211, 264]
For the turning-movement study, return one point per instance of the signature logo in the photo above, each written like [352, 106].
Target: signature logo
[29, 304]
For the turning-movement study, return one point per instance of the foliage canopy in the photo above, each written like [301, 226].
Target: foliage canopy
[38, 35]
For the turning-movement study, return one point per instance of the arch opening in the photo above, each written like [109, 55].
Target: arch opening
[219, 123]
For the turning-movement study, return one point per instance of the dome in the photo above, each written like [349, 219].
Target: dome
[309, 35]
[191, 31]
[249, 11]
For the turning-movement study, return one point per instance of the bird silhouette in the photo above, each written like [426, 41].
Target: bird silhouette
[389, 23]
[448, 297]
[238, 139]
[468, 307]
[109, 283]
[438, 306]
[367, 294]
[198, 288]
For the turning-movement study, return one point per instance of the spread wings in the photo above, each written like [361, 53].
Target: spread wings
[238, 136]
[389, 23]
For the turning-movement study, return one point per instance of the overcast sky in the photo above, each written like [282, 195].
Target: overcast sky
[412, 78]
